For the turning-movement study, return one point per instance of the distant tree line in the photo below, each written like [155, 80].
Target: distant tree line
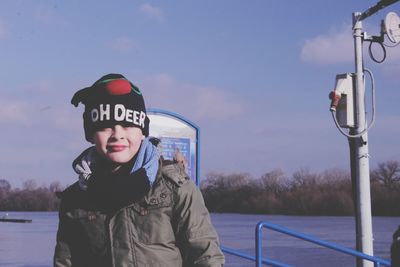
[303, 193]
[29, 198]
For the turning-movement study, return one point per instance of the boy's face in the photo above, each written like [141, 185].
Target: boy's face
[118, 144]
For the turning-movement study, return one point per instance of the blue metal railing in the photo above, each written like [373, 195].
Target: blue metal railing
[377, 261]
[260, 260]
[253, 258]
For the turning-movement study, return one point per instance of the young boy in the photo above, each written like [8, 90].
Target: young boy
[395, 249]
[127, 209]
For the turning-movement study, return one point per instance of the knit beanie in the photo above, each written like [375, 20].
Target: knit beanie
[109, 101]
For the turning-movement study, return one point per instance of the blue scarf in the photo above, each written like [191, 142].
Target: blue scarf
[147, 158]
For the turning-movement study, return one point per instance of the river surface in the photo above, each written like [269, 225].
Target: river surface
[32, 244]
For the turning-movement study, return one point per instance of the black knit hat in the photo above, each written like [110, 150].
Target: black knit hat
[109, 101]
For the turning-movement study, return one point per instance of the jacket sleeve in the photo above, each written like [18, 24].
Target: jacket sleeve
[62, 254]
[196, 235]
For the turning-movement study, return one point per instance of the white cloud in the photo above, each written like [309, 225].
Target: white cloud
[152, 12]
[49, 16]
[123, 44]
[200, 102]
[13, 111]
[213, 103]
[44, 86]
[65, 117]
[333, 48]
[338, 47]
[3, 30]
[391, 66]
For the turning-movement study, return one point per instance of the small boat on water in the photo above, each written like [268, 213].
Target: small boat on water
[5, 218]
[15, 220]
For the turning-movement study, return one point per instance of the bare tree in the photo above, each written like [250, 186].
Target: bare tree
[5, 185]
[387, 173]
[304, 177]
[274, 181]
[230, 181]
[55, 187]
[29, 185]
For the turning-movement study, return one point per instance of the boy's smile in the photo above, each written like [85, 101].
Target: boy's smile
[118, 144]
[116, 148]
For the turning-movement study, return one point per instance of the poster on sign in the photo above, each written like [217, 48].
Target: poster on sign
[178, 136]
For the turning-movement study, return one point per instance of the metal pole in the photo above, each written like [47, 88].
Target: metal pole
[359, 154]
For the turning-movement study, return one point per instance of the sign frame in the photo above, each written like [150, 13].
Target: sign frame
[189, 123]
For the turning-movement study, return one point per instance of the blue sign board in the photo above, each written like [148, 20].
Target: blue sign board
[178, 136]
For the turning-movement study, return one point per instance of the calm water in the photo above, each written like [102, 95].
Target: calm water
[32, 244]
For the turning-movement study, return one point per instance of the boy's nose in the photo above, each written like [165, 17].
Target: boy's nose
[118, 131]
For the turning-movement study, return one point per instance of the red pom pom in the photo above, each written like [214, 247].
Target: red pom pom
[118, 87]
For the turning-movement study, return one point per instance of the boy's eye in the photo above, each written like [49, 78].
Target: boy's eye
[105, 130]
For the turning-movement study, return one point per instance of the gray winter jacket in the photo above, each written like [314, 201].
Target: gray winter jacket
[170, 226]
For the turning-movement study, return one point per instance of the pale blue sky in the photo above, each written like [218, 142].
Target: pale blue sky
[254, 75]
